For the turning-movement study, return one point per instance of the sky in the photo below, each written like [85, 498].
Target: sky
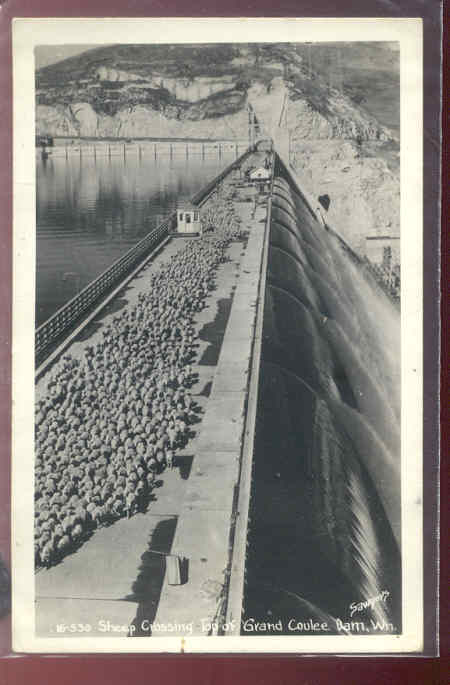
[49, 54]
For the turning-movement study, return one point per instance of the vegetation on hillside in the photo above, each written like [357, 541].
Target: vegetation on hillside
[367, 73]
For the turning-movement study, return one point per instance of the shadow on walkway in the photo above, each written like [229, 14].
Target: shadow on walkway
[93, 326]
[146, 589]
[184, 465]
[213, 332]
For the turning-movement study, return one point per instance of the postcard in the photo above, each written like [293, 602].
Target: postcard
[217, 336]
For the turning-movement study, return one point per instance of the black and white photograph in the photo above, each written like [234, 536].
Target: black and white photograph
[217, 336]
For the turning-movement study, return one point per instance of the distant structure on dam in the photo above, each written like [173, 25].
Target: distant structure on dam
[282, 500]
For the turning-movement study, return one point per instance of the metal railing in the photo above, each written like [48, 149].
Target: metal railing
[64, 320]
[387, 279]
[205, 193]
[52, 330]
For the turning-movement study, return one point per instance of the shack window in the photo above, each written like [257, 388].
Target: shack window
[188, 217]
[195, 216]
[181, 216]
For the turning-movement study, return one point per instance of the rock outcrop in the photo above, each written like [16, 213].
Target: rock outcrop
[193, 83]
[338, 147]
[364, 191]
[340, 152]
[137, 121]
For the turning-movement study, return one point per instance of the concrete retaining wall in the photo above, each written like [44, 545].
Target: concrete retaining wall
[205, 525]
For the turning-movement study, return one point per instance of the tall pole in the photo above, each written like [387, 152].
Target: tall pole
[330, 72]
[251, 126]
[339, 70]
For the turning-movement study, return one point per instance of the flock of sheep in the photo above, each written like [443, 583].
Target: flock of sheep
[108, 424]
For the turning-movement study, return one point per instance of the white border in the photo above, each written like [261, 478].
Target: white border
[28, 33]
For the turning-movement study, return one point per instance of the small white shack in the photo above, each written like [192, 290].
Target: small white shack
[260, 174]
[188, 218]
[261, 178]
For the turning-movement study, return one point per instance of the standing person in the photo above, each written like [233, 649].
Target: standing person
[169, 459]
[254, 208]
[320, 216]
[160, 460]
[322, 207]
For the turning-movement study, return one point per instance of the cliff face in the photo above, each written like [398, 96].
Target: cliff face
[361, 181]
[131, 90]
[339, 147]
[221, 115]
[80, 119]
[340, 152]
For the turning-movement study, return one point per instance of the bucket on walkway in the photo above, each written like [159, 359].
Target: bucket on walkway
[177, 569]
[173, 569]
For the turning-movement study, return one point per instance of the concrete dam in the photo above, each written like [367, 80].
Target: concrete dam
[325, 504]
[286, 499]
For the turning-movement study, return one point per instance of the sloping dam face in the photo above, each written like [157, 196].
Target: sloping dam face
[324, 527]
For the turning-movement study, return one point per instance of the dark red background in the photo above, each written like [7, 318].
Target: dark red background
[304, 670]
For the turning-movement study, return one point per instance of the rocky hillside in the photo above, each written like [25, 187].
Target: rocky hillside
[148, 90]
[342, 110]
[340, 153]
[361, 181]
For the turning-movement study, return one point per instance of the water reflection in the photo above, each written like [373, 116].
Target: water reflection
[90, 210]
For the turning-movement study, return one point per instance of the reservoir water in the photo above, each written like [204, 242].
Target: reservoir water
[91, 210]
